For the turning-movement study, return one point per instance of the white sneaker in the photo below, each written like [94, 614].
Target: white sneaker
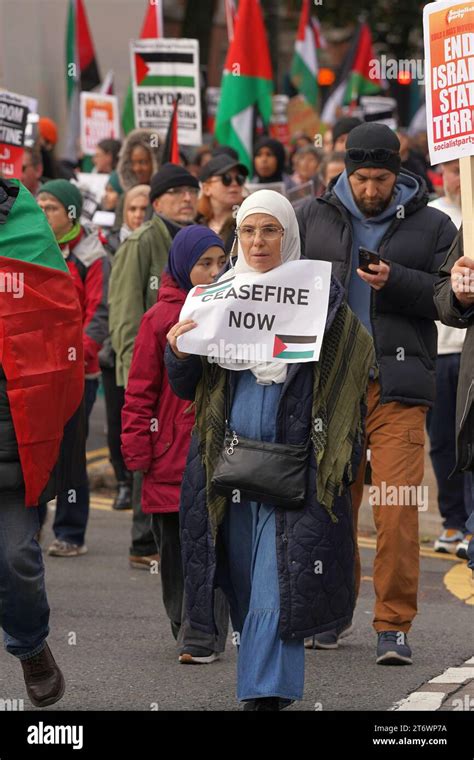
[63, 549]
[448, 541]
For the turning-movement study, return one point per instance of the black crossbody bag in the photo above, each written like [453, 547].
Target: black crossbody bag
[273, 473]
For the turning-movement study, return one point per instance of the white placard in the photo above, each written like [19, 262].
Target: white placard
[99, 120]
[162, 68]
[278, 315]
[448, 29]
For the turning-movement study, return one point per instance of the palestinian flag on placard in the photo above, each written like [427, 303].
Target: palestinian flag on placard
[247, 82]
[171, 148]
[304, 66]
[82, 72]
[165, 69]
[152, 29]
[40, 335]
[294, 346]
[359, 81]
[214, 287]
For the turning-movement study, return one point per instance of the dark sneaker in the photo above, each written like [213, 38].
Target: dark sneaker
[197, 656]
[267, 704]
[44, 681]
[393, 649]
[327, 640]
[123, 499]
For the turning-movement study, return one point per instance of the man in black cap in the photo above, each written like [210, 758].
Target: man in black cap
[341, 130]
[133, 289]
[376, 205]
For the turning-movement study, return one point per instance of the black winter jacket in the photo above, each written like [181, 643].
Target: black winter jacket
[309, 602]
[451, 313]
[403, 311]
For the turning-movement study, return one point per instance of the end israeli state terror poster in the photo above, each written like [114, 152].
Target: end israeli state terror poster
[449, 79]
[162, 68]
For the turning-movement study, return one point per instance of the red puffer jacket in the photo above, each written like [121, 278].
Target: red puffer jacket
[156, 424]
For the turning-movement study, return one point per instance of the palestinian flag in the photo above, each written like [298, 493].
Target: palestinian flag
[353, 78]
[152, 28]
[304, 66]
[165, 69]
[359, 81]
[247, 82]
[214, 287]
[82, 72]
[40, 335]
[294, 347]
[171, 148]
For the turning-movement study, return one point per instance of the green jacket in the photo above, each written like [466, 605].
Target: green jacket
[133, 289]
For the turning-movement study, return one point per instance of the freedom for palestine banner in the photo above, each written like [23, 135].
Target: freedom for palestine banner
[278, 315]
[162, 68]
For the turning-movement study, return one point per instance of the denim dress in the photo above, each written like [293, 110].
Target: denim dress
[267, 666]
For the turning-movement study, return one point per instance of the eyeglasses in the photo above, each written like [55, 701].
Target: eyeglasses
[227, 179]
[379, 155]
[269, 233]
[180, 191]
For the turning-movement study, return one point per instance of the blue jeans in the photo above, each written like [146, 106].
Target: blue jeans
[72, 505]
[24, 609]
[454, 495]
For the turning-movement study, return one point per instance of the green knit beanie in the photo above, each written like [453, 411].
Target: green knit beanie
[67, 194]
[114, 183]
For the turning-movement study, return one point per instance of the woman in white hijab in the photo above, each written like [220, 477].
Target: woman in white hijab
[267, 236]
[263, 557]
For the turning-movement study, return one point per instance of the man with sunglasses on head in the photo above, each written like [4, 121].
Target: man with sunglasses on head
[222, 181]
[136, 275]
[376, 205]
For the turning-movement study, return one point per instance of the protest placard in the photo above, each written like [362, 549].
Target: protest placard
[92, 187]
[99, 120]
[162, 68]
[277, 315]
[13, 117]
[448, 29]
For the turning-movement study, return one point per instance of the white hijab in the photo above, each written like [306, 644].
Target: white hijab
[275, 204]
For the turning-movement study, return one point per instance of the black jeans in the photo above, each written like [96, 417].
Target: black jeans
[165, 528]
[454, 494]
[72, 505]
[143, 541]
[114, 400]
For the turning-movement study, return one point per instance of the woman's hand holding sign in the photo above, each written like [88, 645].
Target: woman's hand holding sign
[179, 329]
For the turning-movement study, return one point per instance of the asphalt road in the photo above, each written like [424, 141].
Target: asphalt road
[111, 636]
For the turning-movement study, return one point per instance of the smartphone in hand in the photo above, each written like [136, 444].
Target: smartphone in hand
[366, 257]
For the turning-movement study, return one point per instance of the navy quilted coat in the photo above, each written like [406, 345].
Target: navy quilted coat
[314, 597]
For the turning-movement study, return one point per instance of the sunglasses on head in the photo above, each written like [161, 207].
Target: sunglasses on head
[379, 155]
[227, 179]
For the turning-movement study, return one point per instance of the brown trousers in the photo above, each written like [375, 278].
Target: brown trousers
[395, 435]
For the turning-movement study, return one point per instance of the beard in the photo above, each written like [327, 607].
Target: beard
[373, 208]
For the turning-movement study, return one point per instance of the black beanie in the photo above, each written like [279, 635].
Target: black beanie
[169, 176]
[344, 126]
[373, 136]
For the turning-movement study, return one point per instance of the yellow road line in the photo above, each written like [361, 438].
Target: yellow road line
[97, 463]
[96, 452]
